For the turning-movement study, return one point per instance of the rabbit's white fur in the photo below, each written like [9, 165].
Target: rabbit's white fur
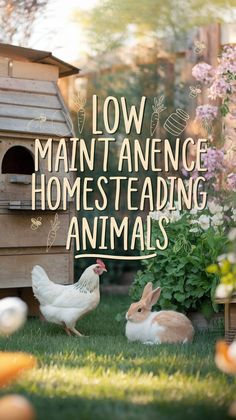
[156, 327]
[150, 331]
[146, 331]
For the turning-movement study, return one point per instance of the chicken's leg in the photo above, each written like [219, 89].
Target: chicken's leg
[68, 332]
[76, 332]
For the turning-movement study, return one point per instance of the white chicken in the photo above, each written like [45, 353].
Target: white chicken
[65, 305]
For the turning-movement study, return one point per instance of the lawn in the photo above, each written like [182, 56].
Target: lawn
[105, 377]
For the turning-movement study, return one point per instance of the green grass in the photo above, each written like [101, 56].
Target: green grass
[105, 377]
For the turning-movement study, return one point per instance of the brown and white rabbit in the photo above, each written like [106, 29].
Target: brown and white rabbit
[156, 327]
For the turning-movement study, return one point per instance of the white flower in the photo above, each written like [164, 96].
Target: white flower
[172, 215]
[223, 291]
[153, 215]
[194, 230]
[214, 207]
[226, 208]
[193, 212]
[222, 257]
[231, 256]
[234, 215]
[217, 219]
[175, 216]
[204, 221]
[232, 234]
[193, 221]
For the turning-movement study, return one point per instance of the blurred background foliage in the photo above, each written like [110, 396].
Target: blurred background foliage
[113, 23]
[138, 48]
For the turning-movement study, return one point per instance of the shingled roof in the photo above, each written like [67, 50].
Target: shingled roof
[30, 100]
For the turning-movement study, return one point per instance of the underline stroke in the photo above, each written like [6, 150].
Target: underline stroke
[117, 257]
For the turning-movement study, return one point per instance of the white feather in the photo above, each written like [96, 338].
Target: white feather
[62, 304]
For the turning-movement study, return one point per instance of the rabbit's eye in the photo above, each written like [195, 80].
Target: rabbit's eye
[139, 309]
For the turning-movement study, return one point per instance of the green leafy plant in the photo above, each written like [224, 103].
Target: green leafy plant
[195, 240]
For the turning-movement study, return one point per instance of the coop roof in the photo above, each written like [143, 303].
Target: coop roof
[28, 105]
[33, 107]
[37, 56]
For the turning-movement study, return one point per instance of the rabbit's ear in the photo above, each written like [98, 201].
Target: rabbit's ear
[153, 297]
[147, 289]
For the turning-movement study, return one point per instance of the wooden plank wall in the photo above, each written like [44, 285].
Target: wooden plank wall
[21, 248]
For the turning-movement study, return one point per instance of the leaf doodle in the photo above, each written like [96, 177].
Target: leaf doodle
[55, 225]
[158, 107]
[207, 125]
[182, 245]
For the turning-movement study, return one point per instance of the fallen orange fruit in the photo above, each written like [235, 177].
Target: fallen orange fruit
[13, 364]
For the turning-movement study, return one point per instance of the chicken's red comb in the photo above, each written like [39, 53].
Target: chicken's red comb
[101, 263]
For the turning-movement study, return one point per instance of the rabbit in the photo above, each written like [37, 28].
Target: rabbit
[156, 327]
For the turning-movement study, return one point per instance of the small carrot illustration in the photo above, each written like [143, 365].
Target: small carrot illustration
[158, 107]
[80, 104]
[55, 224]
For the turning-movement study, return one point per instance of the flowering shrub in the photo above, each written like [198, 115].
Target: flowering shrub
[219, 79]
[195, 240]
[213, 161]
[203, 72]
[221, 82]
[219, 88]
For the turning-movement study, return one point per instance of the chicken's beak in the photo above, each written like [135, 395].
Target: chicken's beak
[105, 270]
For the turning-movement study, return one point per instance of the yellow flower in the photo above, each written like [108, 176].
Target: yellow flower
[225, 267]
[228, 279]
[213, 269]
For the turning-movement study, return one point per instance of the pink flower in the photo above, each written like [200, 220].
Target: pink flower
[213, 162]
[203, 72]
[231, 182]
[206, 113]
[229, 53]
[219, 88]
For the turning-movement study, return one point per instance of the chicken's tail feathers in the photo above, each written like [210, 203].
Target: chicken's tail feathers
[39, 274]
[40, 279]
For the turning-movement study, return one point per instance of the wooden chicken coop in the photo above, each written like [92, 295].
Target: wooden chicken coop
[31, 106]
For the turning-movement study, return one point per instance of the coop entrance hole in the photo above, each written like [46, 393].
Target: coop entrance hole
[18, 160]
